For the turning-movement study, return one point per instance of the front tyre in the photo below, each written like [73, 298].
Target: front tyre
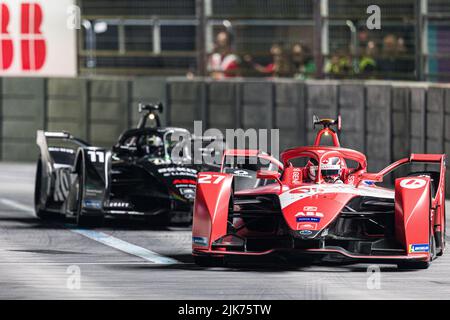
[39, 190]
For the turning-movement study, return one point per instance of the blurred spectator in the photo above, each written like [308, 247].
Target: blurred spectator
[401, 46]
[302, 62]
[339, 65]
[388, 60]
[223, 63]
[363, 37]
[367, 63]
[279, 67]
[394, 58]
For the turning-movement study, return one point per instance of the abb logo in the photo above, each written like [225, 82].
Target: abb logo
[32, 42]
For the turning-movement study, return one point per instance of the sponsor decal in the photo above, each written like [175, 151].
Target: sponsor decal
[307, 191]
[188, 193]
[92, 204]
[412, 183]
[184, 181]
[305, 232]
[178, 171]
[351, 179]
[296, 176]
[413, 248]
[201, 241]
[58, 149]
[307, 219]
[310, 214]
[289, 197]
[241, 173]
[94, 192]
[307, 226]
[119, 204]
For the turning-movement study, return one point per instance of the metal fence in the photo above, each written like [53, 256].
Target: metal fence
[176, 37]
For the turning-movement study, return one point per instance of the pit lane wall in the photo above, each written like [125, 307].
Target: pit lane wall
[386, 120]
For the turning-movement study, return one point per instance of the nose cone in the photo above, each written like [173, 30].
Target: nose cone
[307, 215]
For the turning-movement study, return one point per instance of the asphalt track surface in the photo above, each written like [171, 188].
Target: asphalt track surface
[128, 260]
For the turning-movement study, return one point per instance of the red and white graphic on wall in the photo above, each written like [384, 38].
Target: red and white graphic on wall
[35, 39]
[32, 42]
[6, 44]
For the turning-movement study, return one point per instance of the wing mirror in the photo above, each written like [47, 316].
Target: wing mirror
[270, 175]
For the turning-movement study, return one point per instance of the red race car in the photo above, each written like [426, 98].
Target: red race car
[321, 200]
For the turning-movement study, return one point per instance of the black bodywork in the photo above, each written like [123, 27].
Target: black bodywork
[139, 176]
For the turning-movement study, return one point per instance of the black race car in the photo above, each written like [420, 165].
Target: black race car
[143, 175]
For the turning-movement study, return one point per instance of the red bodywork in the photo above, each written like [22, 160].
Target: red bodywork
[320, 217]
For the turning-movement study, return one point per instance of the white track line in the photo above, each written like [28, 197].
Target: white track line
[17, 205]
[104, 238]
[74, 263]
[125, 246]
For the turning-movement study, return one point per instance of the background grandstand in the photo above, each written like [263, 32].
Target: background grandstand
[158, 37]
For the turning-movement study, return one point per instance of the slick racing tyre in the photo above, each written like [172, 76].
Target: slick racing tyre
[39, 194]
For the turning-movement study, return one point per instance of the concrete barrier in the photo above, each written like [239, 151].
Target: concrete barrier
[147, 90]
[108, 111]
[435, 120]
[386, 120]
[67, 106]
[186, 102]
[290, 113]
[378, 126]
[221, 111]
[447, 134]
[352, 110]
[418, 119]
[23, 112]
[322, 100]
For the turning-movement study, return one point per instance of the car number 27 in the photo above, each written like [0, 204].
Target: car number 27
[210, 178]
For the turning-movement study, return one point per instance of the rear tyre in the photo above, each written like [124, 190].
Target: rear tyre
[208, 261]
[39, 207]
